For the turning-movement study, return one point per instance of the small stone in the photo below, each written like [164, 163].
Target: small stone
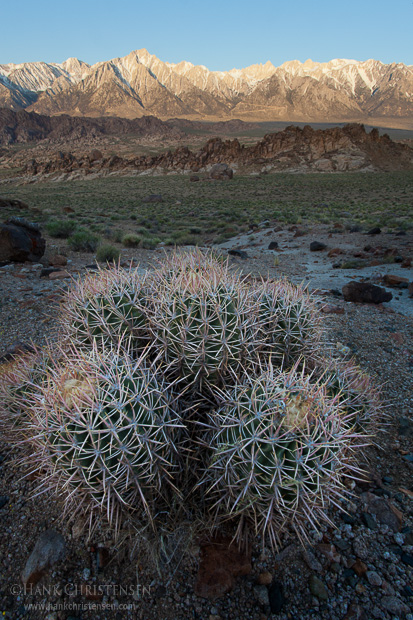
[48, 550]
[276, 597]
[394, 605]
[369, 521]
[273, 245]
[359, 567]
[407, 558]
[385, 512]
[261, 594]
[265, 578]
[317, 588]
[329, 551]
[374, 578]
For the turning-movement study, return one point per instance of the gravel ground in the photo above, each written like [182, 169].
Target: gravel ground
[361, 570]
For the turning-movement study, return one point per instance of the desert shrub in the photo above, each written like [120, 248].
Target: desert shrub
[60, 229]
[83, 241]
[150, 243]
[131, 240]
[107, 253]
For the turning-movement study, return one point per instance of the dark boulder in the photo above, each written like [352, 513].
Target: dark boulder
[273, 245]
[317, 246]
[238, 253]
[20, 241]
[364, 292]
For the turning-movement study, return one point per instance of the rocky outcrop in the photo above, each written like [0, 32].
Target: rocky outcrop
[20, 241]
[25, 126]
[339, 149]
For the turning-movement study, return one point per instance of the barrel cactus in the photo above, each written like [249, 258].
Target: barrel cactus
[289, 322]
[105, 306]
[359, 398]
[103, 428]
[204, 323]
[279, 452]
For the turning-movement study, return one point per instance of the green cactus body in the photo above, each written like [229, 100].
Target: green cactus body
[109, 430]
[107, 306]
[358, 398]
[203, 325]
[289, 322]
[278, 452]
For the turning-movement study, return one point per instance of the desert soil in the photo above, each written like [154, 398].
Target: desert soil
[363, 568]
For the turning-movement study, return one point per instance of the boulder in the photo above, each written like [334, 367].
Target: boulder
[221, 172]
[95, 155]
[364, 292]
[21, 241]
[317, 246]
[273, 245]
[238, 253]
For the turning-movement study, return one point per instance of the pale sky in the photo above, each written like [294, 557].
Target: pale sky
[219, 34]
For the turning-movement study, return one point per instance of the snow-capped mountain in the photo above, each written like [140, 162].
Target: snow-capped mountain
[140, 84]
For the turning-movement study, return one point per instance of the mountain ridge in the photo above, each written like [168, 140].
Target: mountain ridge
[141, 84]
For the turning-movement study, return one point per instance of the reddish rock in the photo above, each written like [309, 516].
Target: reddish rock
[59, 275]
[331, 309]
[57, 260]
[221, 562]
[406, 263]
[95, 155]
[264, 579]
[395, 281]
[334, 252]
[359, 567]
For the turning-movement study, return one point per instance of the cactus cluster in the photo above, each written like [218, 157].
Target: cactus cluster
[192, 386]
